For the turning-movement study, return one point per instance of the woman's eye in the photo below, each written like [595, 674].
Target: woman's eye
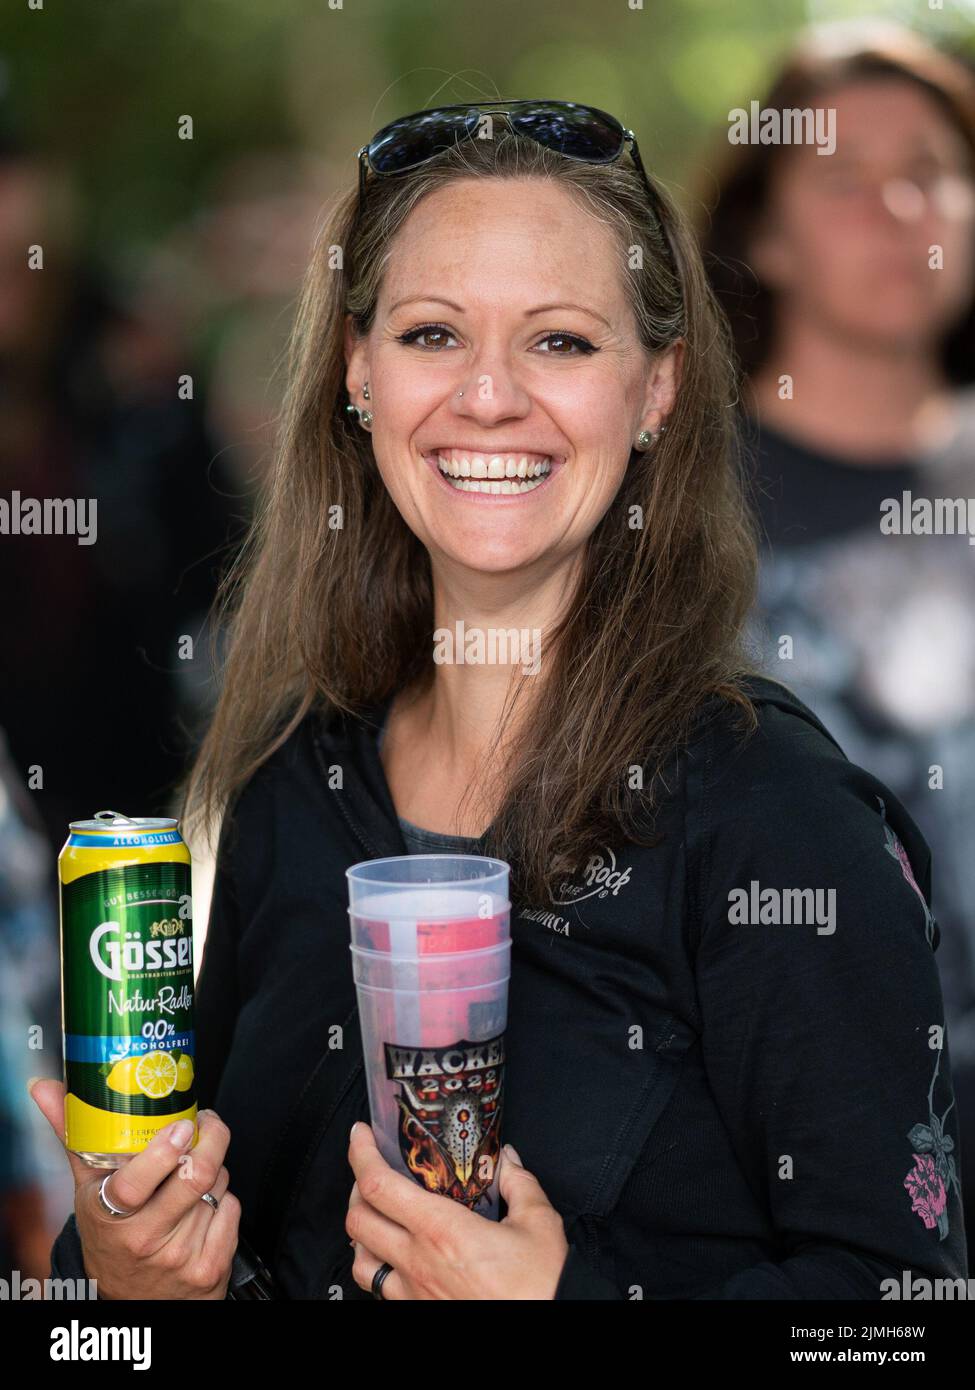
[565, 344]
[413, 335]
[926, 173]
[582, 344]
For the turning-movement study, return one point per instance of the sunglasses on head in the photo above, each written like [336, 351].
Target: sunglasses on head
[576, 132]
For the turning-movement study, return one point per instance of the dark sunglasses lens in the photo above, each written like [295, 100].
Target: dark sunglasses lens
[413, 139]
[581, 132]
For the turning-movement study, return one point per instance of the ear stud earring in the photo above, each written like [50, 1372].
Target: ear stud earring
[645, 439]
[364, 417]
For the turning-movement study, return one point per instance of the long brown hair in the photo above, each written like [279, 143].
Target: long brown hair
[735, 198]
[329, 618]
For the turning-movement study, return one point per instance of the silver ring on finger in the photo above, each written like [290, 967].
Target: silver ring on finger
[210, 1200]
[106, 1201]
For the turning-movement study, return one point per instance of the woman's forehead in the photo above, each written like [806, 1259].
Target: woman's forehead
[876, 112]
[499, 240]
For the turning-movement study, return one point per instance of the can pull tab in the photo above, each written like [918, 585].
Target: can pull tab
[113, 818]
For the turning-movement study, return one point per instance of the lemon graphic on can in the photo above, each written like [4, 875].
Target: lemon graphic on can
[184, 1072]
[122, 1077]
[156, 1075]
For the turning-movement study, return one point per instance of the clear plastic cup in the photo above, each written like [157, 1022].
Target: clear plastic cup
[431, 957]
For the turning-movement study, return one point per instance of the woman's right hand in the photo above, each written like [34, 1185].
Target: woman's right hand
[174, 1245]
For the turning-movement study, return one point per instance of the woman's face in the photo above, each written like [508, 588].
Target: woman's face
[847, 238]
[507, 291]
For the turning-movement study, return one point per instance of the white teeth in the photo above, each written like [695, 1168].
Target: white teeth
[503, 474]
[498, 486]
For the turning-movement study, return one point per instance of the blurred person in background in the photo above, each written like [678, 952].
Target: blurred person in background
[33, 1193]
[848, 279]
[91, 408]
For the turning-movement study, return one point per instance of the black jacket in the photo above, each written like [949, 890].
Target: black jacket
[717, 1110]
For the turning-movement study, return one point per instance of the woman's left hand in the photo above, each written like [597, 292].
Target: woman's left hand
[439, 1248]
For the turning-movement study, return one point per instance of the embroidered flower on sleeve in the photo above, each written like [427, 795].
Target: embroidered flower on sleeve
[928, 1195]
[934, 1172]
[897, 851]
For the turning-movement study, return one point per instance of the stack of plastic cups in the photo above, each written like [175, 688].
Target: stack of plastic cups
[431, 955]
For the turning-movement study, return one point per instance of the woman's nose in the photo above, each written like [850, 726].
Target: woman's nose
[490, 389]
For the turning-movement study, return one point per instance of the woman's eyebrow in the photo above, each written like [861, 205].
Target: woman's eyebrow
[459, 308]
[544, 308]
[425, 299]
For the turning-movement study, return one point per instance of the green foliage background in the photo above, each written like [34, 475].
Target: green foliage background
[100, 84]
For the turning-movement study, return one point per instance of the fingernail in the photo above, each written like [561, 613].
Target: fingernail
[181, 1133]
[512, 1153]
[353, 1129]
[32, 1082]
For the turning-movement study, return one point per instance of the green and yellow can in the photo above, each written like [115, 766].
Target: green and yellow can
[126, 984]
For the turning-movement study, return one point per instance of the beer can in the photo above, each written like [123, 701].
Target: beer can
[126, 984]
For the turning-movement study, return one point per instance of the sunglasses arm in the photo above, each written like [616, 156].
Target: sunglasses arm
[362, 160]
[638, 162]
[654, 199]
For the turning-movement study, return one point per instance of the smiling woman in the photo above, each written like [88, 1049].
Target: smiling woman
[497, 390]
[540, 440]
[504, 313]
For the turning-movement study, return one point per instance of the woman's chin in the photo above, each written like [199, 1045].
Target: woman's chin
[491, 560]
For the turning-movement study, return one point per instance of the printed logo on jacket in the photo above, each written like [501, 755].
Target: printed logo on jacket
[601, 877]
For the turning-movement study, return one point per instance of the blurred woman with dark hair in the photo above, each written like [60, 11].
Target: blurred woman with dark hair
[850, 284]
